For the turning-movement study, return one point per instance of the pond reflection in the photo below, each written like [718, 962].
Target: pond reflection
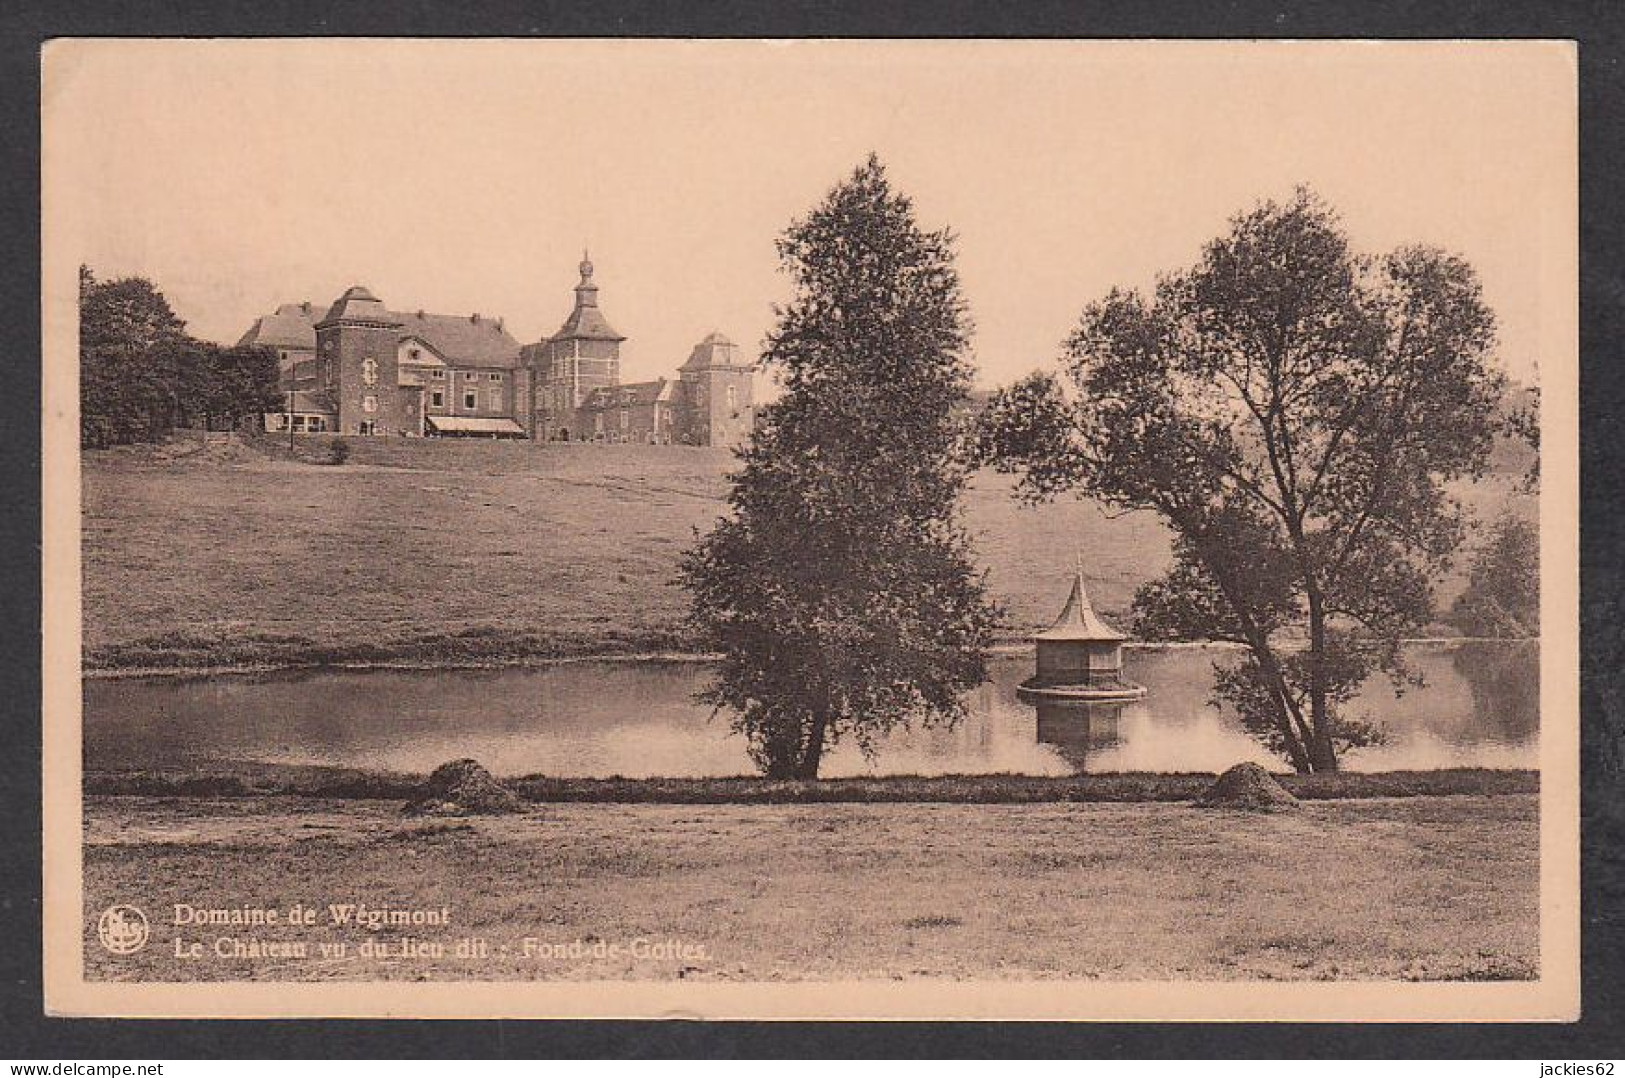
[1480, 707]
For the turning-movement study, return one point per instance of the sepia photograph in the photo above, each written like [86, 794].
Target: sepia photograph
[811, 529]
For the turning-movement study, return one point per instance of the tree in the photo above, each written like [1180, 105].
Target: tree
[141, 374]
[840, 590]
[130, 351]
[220, 386]
[1292, 411]
[1502, 598]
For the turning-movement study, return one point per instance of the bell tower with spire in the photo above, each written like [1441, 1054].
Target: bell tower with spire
[584, 355]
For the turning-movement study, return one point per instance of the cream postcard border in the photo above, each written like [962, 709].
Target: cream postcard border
[1554, 997]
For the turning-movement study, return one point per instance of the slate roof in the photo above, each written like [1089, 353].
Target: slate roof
[1079, 620]
[714, 351]
[358, 303]
[463, 340]
[587, 322]
[291, 325]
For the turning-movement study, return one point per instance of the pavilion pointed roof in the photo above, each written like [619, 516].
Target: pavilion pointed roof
[1079, 620]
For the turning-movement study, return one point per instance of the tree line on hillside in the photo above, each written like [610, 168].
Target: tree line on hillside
[1291, 409]
[141, 375]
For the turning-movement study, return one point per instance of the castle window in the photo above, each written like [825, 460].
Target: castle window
[439, 375]
[495, 398]
[369, 403]
[369, 371]
[437, 399]
[471, 400]
[733, 399]
[493, 377]
[626, 419]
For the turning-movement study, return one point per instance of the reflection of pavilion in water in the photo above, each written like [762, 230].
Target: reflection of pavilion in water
[1076, 730]
[1078, 688]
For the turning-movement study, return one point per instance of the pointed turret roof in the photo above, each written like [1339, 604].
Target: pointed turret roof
[587, 322]
[1079, 620]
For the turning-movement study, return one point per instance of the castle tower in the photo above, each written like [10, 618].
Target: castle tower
[584, 355]
[356, 365]
[719, 408]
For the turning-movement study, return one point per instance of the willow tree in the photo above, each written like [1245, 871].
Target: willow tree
[1293, 411]
[840, 590]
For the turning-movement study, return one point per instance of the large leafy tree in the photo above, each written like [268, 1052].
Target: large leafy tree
[840, 589]
[141, 374]
[132, 349]
[1293, 411]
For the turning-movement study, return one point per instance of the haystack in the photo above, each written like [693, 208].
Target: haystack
[1249, 787]
[463, 788]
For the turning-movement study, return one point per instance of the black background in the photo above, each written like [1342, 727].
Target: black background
[25, 1033]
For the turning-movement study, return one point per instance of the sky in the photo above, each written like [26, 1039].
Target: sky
[466, 177]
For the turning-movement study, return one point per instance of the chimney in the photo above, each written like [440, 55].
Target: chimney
[475, 318]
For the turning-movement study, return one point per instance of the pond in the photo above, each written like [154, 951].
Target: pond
[1479, 708]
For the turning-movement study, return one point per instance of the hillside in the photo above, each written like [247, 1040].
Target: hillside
[450, 551]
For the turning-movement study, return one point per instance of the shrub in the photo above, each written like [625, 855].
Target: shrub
[338, 451]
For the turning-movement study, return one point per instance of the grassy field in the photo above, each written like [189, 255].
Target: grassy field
[1424, 888]
[446, 552]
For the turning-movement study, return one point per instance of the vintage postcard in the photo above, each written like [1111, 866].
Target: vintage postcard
[831, 529]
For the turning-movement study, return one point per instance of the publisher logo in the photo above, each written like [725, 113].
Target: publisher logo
[123, 929]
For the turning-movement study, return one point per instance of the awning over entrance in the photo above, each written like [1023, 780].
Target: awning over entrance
[501, 428]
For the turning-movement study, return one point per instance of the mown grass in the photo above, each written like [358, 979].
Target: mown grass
[1414, 889]
[346, 784]
[457, 553]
